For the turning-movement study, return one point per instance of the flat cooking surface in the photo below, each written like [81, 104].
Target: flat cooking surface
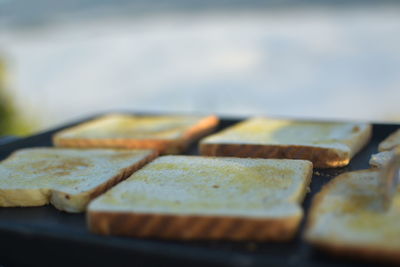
[45, 236]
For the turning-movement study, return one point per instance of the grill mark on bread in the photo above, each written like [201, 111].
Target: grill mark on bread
[150, 226]
[177, 226]
[140, 224]
[206, 227]
[116, 223]
[165, 223]
[232, 227]
[186, 232]
[193, 228]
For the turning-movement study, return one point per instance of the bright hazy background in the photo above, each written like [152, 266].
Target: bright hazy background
[64, 60]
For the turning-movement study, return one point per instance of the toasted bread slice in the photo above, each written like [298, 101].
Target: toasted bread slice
[380, 159]
[390, 142]
[66, 178]
[166, 134]
[326, 144]
[191, 197]
[347, 218]
[385, 149]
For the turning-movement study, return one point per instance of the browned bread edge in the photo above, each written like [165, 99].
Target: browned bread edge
[320, 157]
[192, 227]
[163, 146]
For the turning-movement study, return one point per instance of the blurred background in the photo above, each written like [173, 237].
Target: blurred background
[65, 60]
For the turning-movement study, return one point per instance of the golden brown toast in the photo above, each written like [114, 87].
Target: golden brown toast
[166, 134]
[347, 218]
[191, 197]
[66, 178]
[326, 144]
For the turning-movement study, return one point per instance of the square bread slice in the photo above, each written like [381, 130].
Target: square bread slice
[66, 178]
[166, 134]
[325, 144]
[346, 218]
[191, 197]
[391, 142]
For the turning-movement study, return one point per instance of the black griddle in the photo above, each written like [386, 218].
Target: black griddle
[44, 236]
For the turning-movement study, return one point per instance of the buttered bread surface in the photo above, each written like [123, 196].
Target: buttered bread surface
[212, 185]
[168, 134]
[273, 131]
[348, 215]
[182, 186]
[32, 177]
[326, 144]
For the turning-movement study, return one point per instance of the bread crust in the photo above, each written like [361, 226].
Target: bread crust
[163, 146]
[320, 157]
[192, 227]
[352, 251]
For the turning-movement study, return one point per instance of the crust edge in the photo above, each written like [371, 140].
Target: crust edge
[164, 146]
[192, 227]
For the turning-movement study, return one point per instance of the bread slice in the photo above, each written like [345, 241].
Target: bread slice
[386, 150]
[167, 134]
[390, 142]
[326, 144]
[346, 218]
[66, 178]
[191, 197]
[380, 159]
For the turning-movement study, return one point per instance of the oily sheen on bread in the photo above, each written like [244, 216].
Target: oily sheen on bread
[326, 144]
[347, 219]
[191, 197]
[66, 178]
[167, 134]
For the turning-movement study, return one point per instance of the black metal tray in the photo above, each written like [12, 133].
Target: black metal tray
[45, 236]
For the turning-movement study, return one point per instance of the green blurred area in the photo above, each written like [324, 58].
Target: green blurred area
[11, 123]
